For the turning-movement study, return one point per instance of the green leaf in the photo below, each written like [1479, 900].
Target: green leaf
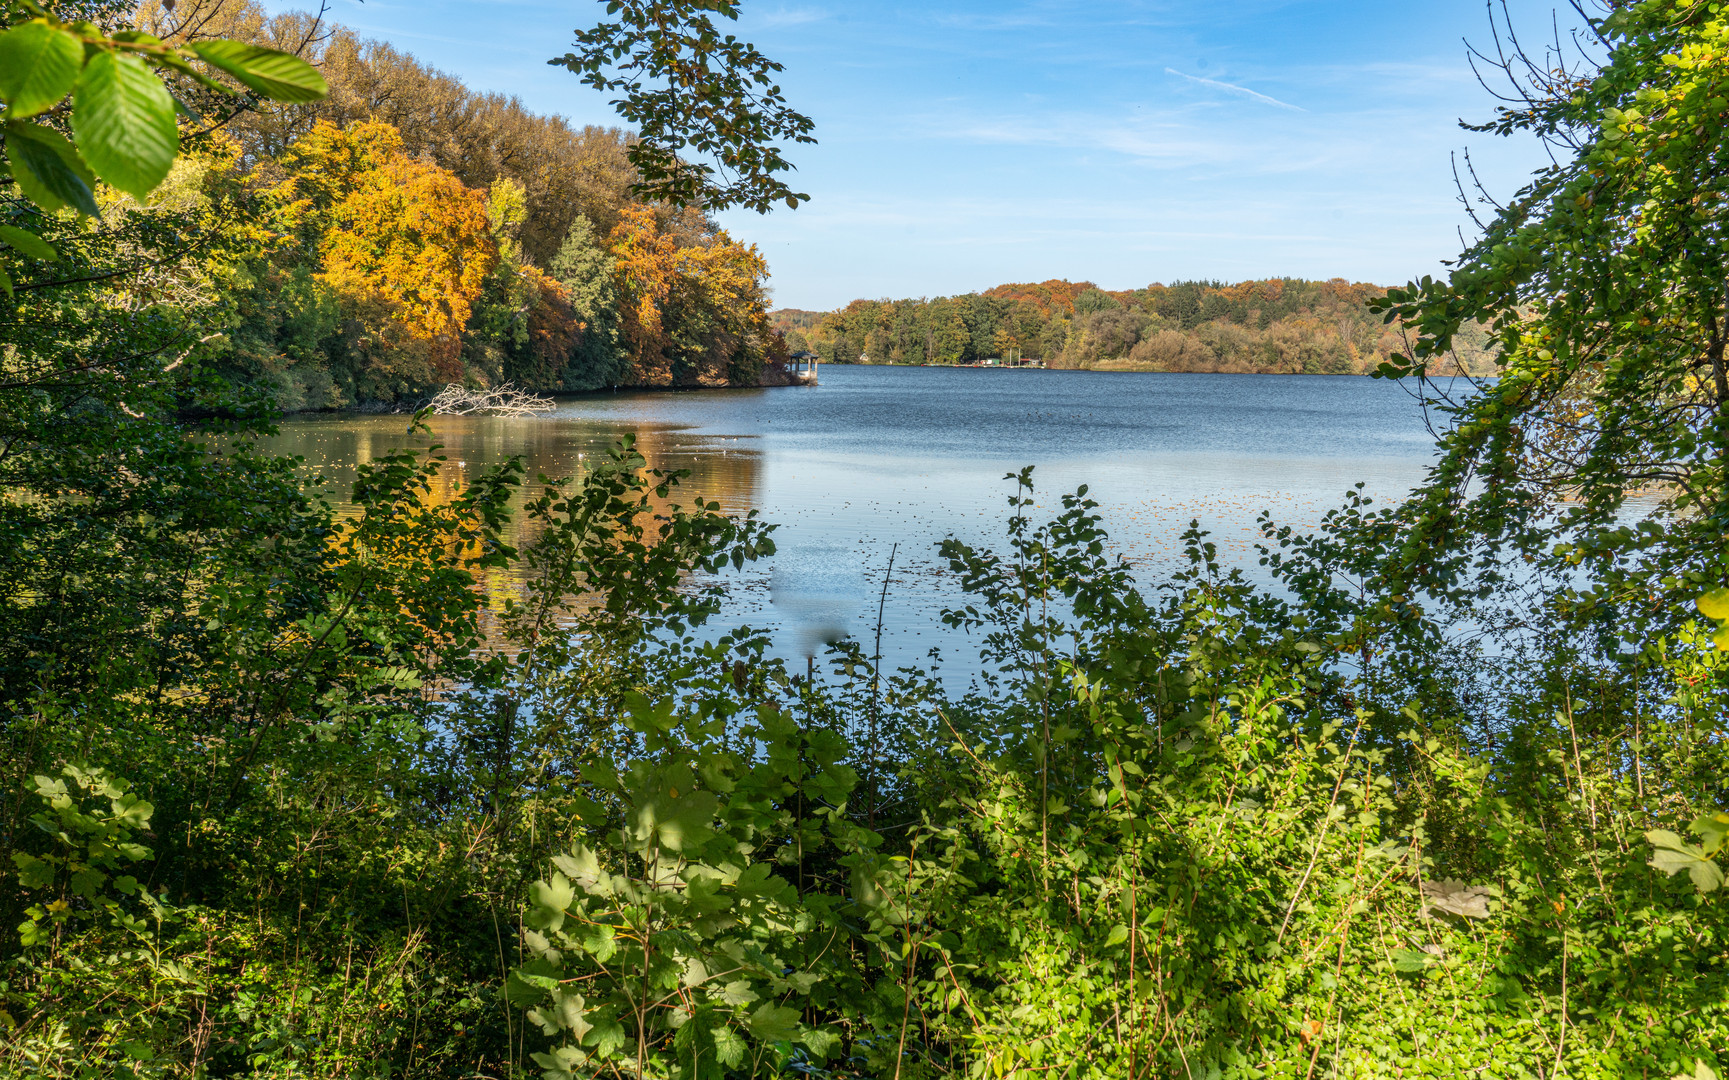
[608, 1035]
[38, 65]
[1411, 960]
[33, 873]
[1713, 829]
[774, 1023]
[86, 881]
[599, 943]
[530, 983]
[49, 171]
[703, 897]
[28, 243]
[822, 1043]
[1715, 604]
[676, 819]
[729, 1046]
[1671, 854]
[738, 992]
[550, 899]
[1117, 936]
[123, 119]
[6, 283]
[564, 1063]
[757, 880]
[133, 810]
[276, 75]
[568, 1007]
[581, 866]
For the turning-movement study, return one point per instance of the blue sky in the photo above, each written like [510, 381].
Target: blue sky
[966, 144]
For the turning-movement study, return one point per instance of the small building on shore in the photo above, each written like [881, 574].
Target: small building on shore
[804, 365]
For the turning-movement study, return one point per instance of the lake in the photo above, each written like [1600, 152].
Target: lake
[879, 456]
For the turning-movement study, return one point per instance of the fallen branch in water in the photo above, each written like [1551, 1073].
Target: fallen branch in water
[504, 400]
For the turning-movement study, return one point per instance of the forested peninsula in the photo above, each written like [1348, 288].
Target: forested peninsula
[1280, 326]
[406, 232]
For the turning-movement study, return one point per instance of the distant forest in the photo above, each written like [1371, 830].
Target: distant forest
[1285, 326]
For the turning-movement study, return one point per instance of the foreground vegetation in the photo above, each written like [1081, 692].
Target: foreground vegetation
[1282, 326]
[283, 798]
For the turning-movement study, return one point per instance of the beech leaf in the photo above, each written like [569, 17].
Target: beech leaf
[123, 119]
[28, 243]
[278, 76]
[39, 64]
[48, 169]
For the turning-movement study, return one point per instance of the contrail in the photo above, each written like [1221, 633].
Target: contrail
[1243, 90]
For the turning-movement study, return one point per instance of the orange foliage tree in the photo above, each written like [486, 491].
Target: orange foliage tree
[1051, 298]
[553, 330]
[725, 330]
[404, 244]
[691, 313]
[646, 261]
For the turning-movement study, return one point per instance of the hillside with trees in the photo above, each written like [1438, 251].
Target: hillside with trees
[1283, 326]
[406, 232]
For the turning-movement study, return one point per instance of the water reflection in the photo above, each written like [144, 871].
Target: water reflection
[876, 457]
[563, 446]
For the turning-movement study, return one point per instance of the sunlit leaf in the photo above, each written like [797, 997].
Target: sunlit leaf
[550, 900]
[39, 64]
[1712, 829]
[123, 119]
[49, 170]
[1671, 854]
[275, 75]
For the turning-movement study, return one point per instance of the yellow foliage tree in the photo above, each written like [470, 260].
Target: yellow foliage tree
[691, 313]
[646, 262]
[726, 314]
[403, 243]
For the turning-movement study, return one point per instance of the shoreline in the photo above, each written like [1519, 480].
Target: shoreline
[1125, 370]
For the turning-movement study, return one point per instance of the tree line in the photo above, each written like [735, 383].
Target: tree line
[1284, 326]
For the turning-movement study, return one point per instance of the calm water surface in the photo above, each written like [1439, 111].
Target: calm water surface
[879, 456]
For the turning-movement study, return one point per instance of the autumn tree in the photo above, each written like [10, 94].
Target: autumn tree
[646, 261]
[723, 331]
[524, 329]
[404, 245]
[566, 172]
[693, 309]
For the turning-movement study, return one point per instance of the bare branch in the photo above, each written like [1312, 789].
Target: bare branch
[502, 400]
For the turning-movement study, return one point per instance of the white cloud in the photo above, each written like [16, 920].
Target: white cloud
[1231, 88]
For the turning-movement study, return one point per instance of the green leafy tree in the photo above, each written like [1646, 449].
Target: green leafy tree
[586, 269]
[706, 108]
[1603, 286]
